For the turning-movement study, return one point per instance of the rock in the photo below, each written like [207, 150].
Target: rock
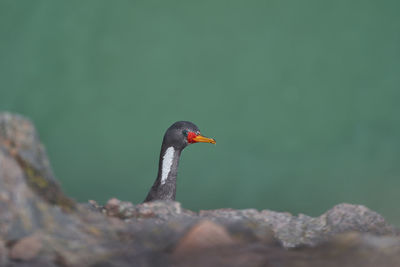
[41, 226]
[160, 210]
[3, 253]
[26, 248]
[294, 231]
[344, 250]
[19, 138]
[204, 235]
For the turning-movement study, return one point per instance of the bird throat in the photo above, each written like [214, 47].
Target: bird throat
[167, 162]
[164, 188]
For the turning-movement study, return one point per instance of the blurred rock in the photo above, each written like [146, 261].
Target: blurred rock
[41, 226]
[26, 248]
[3, 253]
[204, 235]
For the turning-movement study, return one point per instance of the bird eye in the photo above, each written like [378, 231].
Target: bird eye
[185, 132]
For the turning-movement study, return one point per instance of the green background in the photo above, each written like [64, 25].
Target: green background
[302, 97]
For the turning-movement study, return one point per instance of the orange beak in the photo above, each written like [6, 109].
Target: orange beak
[203, 139]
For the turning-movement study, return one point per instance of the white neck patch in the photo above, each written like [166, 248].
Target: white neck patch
[167, 163]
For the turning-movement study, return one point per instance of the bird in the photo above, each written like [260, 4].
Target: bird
[178, 136]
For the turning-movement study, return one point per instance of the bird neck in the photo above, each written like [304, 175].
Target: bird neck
[164, 187]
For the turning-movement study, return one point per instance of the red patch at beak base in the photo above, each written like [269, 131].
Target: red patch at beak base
[196, 138]
[190, 137]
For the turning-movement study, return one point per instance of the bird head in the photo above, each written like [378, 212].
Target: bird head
[182, 133]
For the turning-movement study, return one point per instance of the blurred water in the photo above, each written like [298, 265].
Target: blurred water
[302, 97]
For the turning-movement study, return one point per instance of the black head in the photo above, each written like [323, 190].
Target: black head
[182, 133]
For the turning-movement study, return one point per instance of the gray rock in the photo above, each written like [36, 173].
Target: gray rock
[3, 253]
[294, 231]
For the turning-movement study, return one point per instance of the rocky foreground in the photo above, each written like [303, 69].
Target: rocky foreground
[40, 226]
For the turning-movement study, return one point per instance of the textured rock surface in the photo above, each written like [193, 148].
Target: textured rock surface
[40, 226]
